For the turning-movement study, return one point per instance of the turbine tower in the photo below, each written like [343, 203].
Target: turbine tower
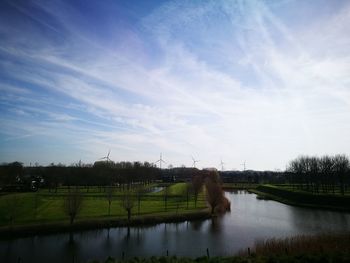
[243, 164]
[194, 162]
[107, 157]
[160, 161]
[222, 165]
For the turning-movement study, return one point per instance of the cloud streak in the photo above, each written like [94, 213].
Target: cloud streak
[255, 87]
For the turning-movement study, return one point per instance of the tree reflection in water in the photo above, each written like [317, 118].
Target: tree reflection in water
[108, 243]
[197, 225]
[71, 248]
[216, 225]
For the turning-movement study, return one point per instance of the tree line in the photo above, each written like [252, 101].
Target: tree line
[326, 174]
[100, 173]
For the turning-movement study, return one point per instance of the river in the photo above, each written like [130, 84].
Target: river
[250, 219]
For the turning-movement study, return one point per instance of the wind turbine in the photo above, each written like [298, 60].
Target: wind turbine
[160, 161]
[107, 157]
[222, 165]
[194, 162]
[243, 164]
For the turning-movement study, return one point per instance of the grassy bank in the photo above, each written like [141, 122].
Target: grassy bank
[44, 208]
[301, 198]
[104, 222]
[239, 186]
[302, 258]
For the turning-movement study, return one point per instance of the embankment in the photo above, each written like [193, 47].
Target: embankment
[238, 186]
[96, 223]
[299, 198]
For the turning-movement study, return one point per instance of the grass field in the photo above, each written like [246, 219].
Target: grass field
[287, 195]
[303, 189]
[45, 206]
[239, 186]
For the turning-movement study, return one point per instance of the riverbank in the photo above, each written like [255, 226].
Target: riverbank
[96, 223]
[303, 199]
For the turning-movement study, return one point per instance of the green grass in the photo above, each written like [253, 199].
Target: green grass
[96, 190]
[301, 198]
[298, 188]
[239, 186]
[174, 189]
[95, 205]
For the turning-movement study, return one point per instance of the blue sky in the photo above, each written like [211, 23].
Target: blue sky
[254, 81]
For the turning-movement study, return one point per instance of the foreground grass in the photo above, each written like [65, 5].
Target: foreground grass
[302, 258]
[302, 249]
[44, 207]
[302, 198]
[301, 244]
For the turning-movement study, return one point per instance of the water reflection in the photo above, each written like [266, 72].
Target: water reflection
[108, 243]
[197, 225]
[314, 220]
[127, 235]
[216, 225]
[249, 220]
[71, 247]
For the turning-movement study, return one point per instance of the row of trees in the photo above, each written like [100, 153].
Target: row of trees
[211, 180]
[101, 173]
[73, 203]
[325, 174]
[104, 173]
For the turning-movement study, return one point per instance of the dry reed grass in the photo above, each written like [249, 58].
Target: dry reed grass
[302, 244]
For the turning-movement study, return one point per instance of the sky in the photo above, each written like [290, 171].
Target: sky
[259, 82]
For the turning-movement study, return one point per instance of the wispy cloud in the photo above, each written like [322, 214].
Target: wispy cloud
[231, 80]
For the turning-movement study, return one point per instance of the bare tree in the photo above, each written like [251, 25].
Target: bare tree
[325, 164]
[183, 196]
[326, 173]
[166, 195]
[215, 195]
[140, 191]
[187, 193]
[128, 202]
[197, 183]
[11, 205]
[72, 204]
[109, 197]
[341, 166]
[35, 204]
